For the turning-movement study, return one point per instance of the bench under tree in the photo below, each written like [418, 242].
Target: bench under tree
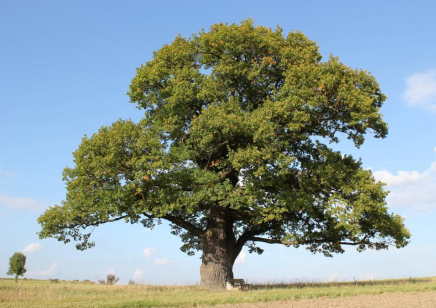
[238, 284]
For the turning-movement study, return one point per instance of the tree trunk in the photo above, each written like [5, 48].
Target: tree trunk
[219, 250]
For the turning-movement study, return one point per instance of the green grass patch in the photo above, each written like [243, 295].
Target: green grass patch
[45, 294]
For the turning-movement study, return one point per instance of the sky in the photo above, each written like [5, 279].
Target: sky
[65, 68]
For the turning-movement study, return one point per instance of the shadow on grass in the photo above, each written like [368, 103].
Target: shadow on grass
[301, 285]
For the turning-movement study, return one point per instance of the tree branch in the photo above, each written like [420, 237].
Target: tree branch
[272, 241]
[96, 224]
[180, 222]
[247, 235]
[224, 173]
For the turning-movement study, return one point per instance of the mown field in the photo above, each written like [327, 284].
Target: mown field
[44, 294]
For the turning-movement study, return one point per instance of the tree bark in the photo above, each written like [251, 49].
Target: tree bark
[219, 250]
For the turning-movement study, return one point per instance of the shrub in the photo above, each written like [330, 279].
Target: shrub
[111, 279]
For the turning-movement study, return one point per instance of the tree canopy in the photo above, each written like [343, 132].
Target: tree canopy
[234, 150]
[16, 265]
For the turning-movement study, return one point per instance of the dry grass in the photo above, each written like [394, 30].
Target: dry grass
[43, 293]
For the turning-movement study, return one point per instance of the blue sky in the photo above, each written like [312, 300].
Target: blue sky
[65, 68]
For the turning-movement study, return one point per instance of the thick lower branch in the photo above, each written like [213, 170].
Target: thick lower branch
[273, 241]
[184, 224]
[181, 223]
[249, 234]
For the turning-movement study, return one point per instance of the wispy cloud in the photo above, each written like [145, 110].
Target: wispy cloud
[139, 273]
[7, 173]
[421, 90]
[52, 270]
[32, 248]
[242, 257]
[410, 189]
[163, 261]
[110, 271]
[334, 278]
[23, 203]
[367, 277]
[149, 251]
[4, 174]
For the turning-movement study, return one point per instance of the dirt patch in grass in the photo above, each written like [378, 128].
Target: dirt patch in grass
[397, 300]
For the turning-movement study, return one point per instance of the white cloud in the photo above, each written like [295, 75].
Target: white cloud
[139, 273]
[149, 251]
[32, 248]
[367, 277]
[421, 90]
[110, 271]
[163, 261]
[242, 257]
[4, 174]
[52, 270]
[410, 189]
[402, 178]
[334, 278]
[22, 204]
[7, 173]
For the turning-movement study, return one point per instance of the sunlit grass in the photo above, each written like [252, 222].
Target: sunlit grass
[42, 293]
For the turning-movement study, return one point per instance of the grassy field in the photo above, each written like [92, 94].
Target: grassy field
[44, 294]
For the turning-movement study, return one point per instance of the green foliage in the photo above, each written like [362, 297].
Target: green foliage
[240, 118]
[16, 265]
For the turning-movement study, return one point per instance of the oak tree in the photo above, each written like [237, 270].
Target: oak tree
[233, 150]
